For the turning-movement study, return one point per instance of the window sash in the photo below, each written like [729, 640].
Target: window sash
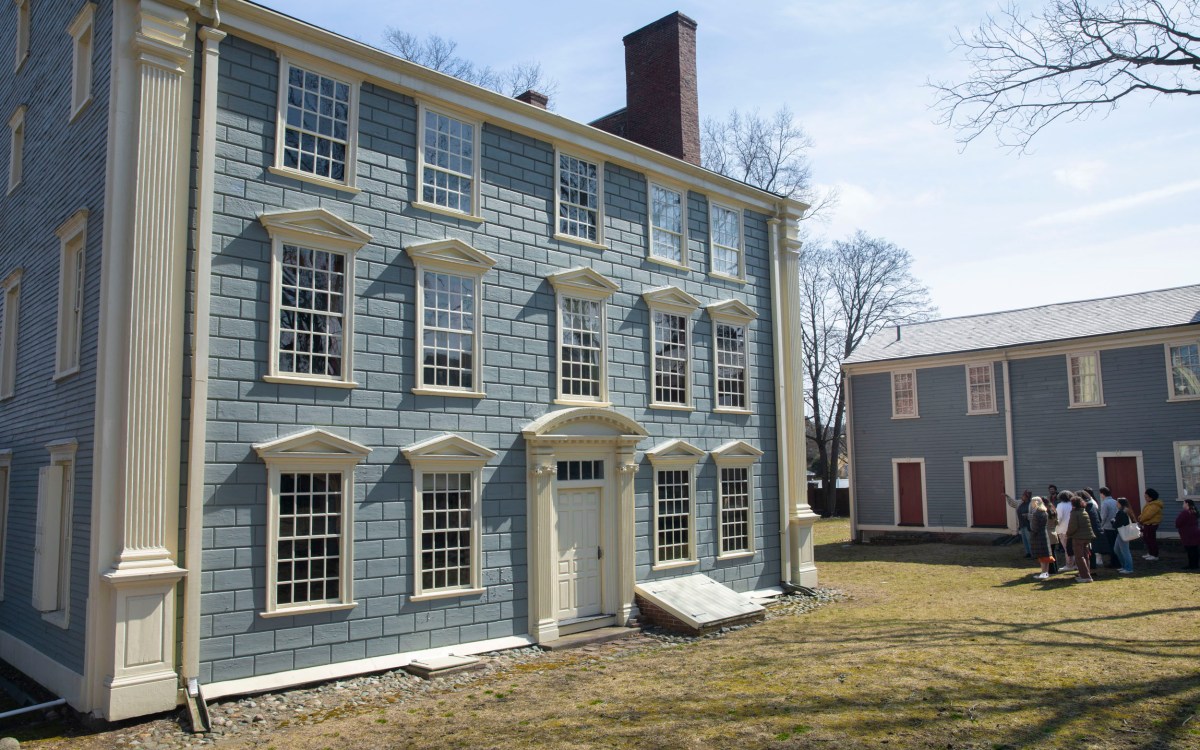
[671, 358]
[1185, 370]
[1187, 460]
[316, 112]
[10, 315]
[16, 153]
[449, 330]
[579, 184]
[737, 522]
[726, 242]
[982, 389]
[1085, 379]
[666, 224]
[581, 349]
[731, 366]
[22, 46]
[446, 544]
[449, 161]
[313, 295]
[310, 539]
[673, 515]
[904, 394]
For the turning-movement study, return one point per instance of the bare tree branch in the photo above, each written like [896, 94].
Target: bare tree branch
[1074, 59]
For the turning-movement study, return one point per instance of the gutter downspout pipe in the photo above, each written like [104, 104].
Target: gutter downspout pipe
[782, 449]
[1010, 472]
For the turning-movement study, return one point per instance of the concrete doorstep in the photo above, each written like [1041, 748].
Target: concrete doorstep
[590, 638]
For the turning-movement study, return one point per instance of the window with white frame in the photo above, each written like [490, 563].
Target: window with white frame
[582, 324]
[10, 315]
[1083, 371]
[726, 241]
[72, 237]
[81, 56]
[731, 361]
[450, 286]
[16, 148]
[52, 536]
[312, 296]
[449, 161]
[447, 483]
[904, 394]
[735, 498]
[22, 28]
[1183, 365]
[674, 502]
[580, 187]
[671, 312]
[667, 239]
[981, 389]
[1187, 468]
[317, 119]
[310, 521]
[5, 468]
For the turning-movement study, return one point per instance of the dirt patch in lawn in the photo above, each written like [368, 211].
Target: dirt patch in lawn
[938, 646]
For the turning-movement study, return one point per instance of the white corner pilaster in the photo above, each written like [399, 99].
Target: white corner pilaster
[539, 529]
[132, 643]
[626, 543]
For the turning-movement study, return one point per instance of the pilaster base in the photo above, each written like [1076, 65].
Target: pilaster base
[804, 564]
[545, 630]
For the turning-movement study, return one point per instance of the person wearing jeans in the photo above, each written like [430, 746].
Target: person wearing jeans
[1022, 508]
[1124, 517]
[1151, 517]
[1108, 512]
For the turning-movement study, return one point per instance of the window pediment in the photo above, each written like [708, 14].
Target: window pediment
[674, 451]
[736, 452]
[671, 298]
[583, 282]
[312, 444]
[731, 311]
[448, 448]
[451, 254]
[314, 224]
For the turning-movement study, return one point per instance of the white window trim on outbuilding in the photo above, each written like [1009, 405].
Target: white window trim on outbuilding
[990, 368]
[671, 300]
[675, 455]
[1073, 402]
[1176, 450]
[1172, 395]
[315, 229]
[581, 283]
[916, 408]
[736, 454]
[734, 313]
[308, 451]
[448, 454]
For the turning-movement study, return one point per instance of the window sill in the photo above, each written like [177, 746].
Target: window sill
[579, 241]
[1171, 399]
[726, 277]
[58, 377]
[675, 565]
[1087, 406]
[295, 380]
[12, 188]
[21, 63]
[981, 413]
[672, 407]
[667, 262]
[906, 416]
[434, 208]
[735, 555]
[731, 410]
[58, 618]
[296, 174]
[448, 392]
[446, 594]
[79, 110]
[581, 402]
[309, 609]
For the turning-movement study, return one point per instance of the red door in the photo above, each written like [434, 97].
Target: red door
[1121, 478]
[987, 494]
[908, 480]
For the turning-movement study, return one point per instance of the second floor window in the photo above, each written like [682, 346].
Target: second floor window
[904, 394]
[581, 357]
[578, 198]
[981, 397]
[316, 112]
[1184, 363]
[448, 339]
[312, 290]
[1083, 371]
[448, 161]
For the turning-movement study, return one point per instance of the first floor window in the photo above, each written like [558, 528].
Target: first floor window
[52, 537]
[578, 198]
[726, 240]
[737, 531]
[448, 353]
[1187, 463]
[315, 129]
[448, 161]
[582, 352]
[982, 390]
[666, 224]
[731, 366]
[673, 498]
[447, 502]
[904, 393]
[312, 291]
[309, 538]
[1084, 374]
[1185, 370]
[670, 358]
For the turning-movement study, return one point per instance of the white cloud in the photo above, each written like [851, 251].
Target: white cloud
[1084, 175]
[1110, 207]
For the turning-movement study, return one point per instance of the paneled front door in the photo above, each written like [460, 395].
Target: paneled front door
[987, 494]
[578, 529]
[1121, 477]
[910, 488]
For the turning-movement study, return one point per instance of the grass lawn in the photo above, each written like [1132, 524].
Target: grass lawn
[938, 646]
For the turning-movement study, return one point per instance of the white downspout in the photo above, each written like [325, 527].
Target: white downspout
[202, 290]
[782, 449]
[852, 507]
[1010, 470]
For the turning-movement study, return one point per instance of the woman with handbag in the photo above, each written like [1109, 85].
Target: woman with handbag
[1127, 531]
[1188, 525]
[1150, 518]
[1080, 534]
[1039, 540]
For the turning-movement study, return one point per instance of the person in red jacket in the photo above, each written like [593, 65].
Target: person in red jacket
[1188, 524]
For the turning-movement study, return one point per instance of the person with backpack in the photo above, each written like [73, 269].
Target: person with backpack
[1150, 518]
[1093, 511]
[1079, 532]
[1039, 538]
[1124, 517]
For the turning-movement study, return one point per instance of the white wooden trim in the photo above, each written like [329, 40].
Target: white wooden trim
[916, 412]
[72, 237]
[568, 399]
[22, 35]
[291, 678]
[1178, 470]
[10, 303]
[1008, 489]
[1171, 395]
[423, 108]
[82, 49]
[1010, 470]
[1071, 402]
[896, 492]
[42, 668]
[1141, 471]
[474, 269]
[991, 368]
[673, 301]
[655, 182]
[555, 232]
[712, 243]
[316, 66]
[675, 455]
[16, 147]
[5, 472]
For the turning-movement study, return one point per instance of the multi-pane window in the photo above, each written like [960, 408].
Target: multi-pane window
[448, 337]
[726, 231]
[670, 358]
[666, 224]
[578, 198]
[448, 162]
[1184, 363]
[316, 127]
[1084, 373]
[737, 532]
[582, 348]
[673, 504]
[312, 294]
[22, 32]
[904, 393]
[16, 148]
[308, 554]
[981, 389]
[10, 304]
[1187, 466]
[580, 471]
[446, 530]
[73, 239]
[81, 76]
[731, 365]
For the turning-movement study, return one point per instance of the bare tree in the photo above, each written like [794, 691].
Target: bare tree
[852, 288]
[441, 54]
[1073, 59]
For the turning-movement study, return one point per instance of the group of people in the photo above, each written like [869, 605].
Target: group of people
[1072, 531]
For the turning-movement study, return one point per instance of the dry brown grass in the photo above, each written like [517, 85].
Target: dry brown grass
[940, 646]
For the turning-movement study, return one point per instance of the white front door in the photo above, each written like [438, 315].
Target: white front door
[578, 531]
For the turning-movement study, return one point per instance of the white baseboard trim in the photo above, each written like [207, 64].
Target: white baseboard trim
[281, 680]
[42, 669]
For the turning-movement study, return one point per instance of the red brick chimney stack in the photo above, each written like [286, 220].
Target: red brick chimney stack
[662, 108]
[536, 98]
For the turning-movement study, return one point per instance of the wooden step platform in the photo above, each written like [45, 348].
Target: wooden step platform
[590, 638]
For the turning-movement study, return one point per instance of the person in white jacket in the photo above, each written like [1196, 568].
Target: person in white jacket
[1064, 518]
[1108, 514]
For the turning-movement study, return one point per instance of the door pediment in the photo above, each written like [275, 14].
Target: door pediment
[584, 422]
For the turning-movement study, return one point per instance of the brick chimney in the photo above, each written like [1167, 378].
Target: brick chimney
[662, 108]
[536, 98]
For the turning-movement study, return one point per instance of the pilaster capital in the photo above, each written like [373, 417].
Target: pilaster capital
[161, 35]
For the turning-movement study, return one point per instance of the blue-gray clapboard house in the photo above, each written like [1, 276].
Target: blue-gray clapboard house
[314, 361]
[946, 417]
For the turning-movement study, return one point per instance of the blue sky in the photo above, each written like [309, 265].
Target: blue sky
[1102, 207]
